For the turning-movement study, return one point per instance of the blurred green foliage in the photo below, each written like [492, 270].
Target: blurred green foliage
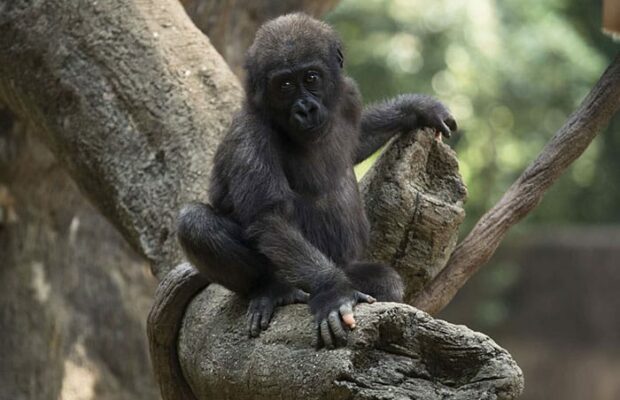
[511, 71]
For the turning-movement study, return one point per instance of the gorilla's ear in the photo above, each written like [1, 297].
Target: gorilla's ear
[340, 57]
[254, 87]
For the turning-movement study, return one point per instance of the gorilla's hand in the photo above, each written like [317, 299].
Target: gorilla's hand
[263, 303]
[331, 308]
[421, 111]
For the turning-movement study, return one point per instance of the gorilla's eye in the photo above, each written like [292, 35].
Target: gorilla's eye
[286, 85]
[312, 77]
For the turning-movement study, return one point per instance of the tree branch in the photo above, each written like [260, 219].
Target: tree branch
[594, 113]
[396, 352]
[173, 294]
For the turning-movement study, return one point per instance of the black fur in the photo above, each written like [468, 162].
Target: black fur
[286, 222]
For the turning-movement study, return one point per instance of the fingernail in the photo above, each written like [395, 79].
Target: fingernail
[348, 319]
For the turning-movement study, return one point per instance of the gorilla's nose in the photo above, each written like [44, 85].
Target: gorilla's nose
[304, 110]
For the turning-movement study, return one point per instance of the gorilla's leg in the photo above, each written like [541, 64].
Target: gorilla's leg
[378, 280]
[215, 245]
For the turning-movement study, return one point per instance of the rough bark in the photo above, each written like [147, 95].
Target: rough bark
[414, 199]
[171, 299]
[396, 352]
[594, 113]
[231, 24]
[130, 97]
[73, 294]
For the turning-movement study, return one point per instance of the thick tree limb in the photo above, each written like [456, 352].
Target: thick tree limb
[164, 321]
[397, 352]
[130, 97]
[594, 113]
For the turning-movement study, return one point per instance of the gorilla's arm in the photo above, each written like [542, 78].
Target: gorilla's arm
[297, 261]
[402, 114]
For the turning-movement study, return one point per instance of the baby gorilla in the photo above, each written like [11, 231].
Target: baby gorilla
[286, 222]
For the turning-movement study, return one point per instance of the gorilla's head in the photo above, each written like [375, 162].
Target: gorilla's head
[294, 75]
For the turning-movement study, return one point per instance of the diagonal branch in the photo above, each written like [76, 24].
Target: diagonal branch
[523, 196]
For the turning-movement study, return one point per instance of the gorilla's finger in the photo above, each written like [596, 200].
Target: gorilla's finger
[451, 122]
[255, 326]
[250, 316]
[326, 335]
[365, 298]
[446, 132]
[317, 342]
[266, 315]
[336, 326]
[301, 297]
[443, 128]
[346, 311]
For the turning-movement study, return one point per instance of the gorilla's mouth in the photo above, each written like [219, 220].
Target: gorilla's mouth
[312, 126]
[311, 132]
[309, 128]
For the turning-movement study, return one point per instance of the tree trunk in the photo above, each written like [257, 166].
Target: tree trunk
[414, 196]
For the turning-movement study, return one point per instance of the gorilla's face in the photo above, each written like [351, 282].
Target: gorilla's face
[299, 100]
[294, 76]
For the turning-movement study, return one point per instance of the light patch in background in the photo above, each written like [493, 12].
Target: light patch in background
[405, 54]
[73, 229]
[362, 168]
[443, 83]
[457, 58]
[483, 29]
[460, 106]
[40, 285]
[80, 376]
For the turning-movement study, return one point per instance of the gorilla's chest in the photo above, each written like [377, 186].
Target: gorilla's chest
[334, 220]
